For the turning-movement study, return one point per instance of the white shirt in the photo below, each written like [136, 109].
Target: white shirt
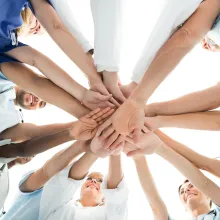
[9, 115]
[57, 201]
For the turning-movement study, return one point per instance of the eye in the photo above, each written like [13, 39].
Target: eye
[89, 178]
[99, 180]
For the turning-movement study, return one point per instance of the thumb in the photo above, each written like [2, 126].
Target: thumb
[135, 152]
[136, 135]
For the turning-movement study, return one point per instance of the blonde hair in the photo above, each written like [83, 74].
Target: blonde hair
[26, 15]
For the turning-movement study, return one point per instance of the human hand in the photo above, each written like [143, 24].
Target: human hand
[111, 82]
[149, 143]
[85, 128]
[98, 86]
[99, 142]
[94, 100]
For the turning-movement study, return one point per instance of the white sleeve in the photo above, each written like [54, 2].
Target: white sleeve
[59, 190]
[63, 9]
[173, 14]
[107, 17]
[116, 201]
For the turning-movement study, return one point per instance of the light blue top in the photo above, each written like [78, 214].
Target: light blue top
[26, 205]
[212, 215]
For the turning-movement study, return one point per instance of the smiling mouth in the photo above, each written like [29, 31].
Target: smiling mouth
[93, 186]
[190, 196]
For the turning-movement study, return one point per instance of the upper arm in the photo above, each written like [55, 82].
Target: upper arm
[35, 181]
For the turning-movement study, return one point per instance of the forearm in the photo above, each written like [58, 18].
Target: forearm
[199, 101]
[40, 86]
[195, 176]
[200, 161]
[179, 44]
[35, 146]
[80, 168]
[115, 173]
[64, 158]
[147, 182]
[198, 121]
[64, 39]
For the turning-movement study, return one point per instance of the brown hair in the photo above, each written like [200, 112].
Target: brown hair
[26, 15]
[187, 181]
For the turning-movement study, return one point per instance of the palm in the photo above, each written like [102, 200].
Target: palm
[86, 127]
[128, 117]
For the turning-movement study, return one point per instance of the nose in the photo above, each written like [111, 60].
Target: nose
[93, 181]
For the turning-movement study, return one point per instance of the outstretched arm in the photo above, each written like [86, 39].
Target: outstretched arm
[83, 129]
[52, 167]
[26, 131]
[49, 18]
[199, 101]
[202, 162]
[38, 85]
[115, 172]
[198, 121]
[147, 182]
[195, 176]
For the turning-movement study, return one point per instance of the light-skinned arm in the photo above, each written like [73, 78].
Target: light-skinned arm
[26, 131]
[147, 182]
[83, 129]
[204, 100]
[202, 162]
[53, 166]
[115, 172]
[55, 74]
[191, 172]
[153, 144]
[198, 121]
[166, 59]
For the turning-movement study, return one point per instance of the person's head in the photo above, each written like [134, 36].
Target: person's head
[28, 101]
[192, 198]
[91, 189]
[31, 26]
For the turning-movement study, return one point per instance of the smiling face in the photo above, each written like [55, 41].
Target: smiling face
[92, 187]
[191, 197]
[29, 101]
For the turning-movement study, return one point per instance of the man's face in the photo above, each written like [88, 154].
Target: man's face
[29, 101]
[191, 197]
[92, 186]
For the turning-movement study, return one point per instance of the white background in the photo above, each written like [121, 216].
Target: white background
[199, 70]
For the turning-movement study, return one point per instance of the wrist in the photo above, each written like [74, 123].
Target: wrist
[95, 80]
[161, 149]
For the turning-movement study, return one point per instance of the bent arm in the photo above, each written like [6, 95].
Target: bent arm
[115, 173]
[200, 161]
[195, 176]
[52, 167]
[81, 167]
[146, 180]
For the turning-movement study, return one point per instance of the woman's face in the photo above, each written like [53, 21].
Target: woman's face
[35, 28]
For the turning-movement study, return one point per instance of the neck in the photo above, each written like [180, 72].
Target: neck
[197, 211]
[88, 201]
[17, 89]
